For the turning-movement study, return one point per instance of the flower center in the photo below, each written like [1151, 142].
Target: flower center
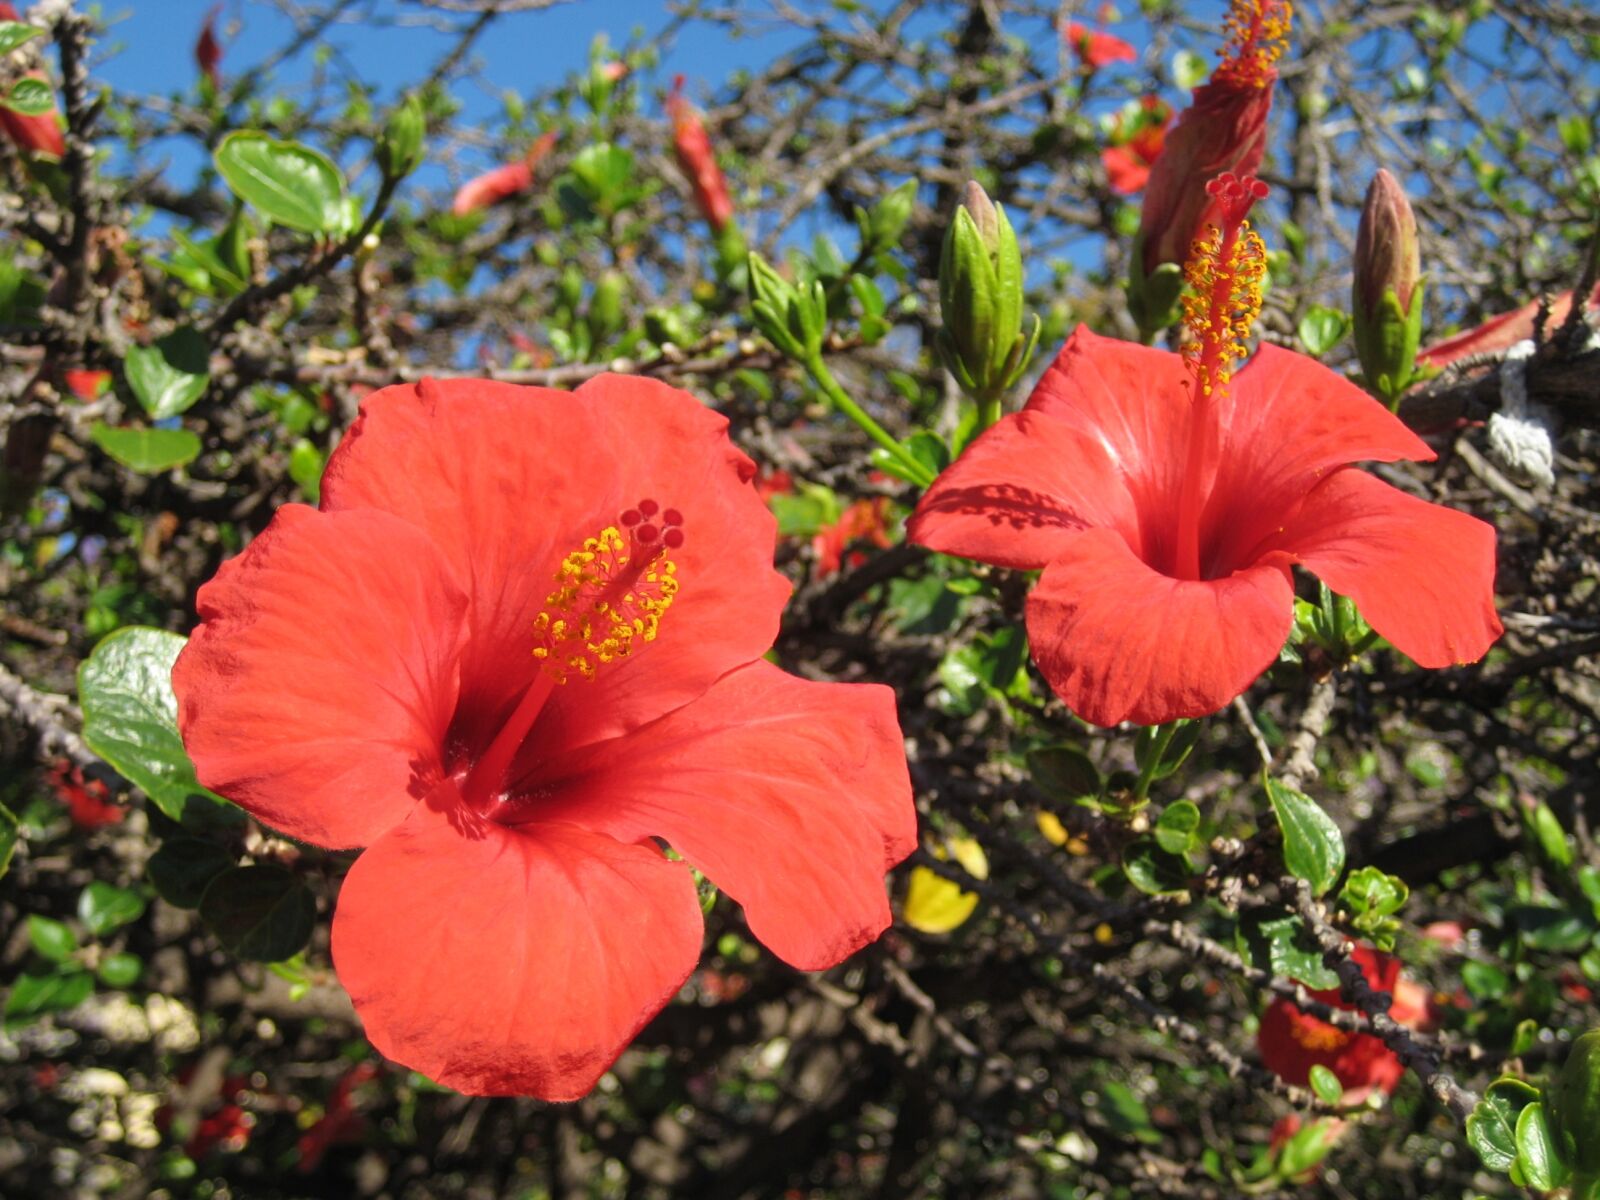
[1225, 272]
[1258, 35]
[1318, 1036]
[607, 600]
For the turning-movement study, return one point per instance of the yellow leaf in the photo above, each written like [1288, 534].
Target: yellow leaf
[935, 904]
[1050, 825]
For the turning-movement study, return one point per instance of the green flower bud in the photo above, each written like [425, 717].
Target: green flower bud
[605, 306]
[980, 298]
[792, 319]
[1573, 1104]
[1386, 296]
[399, 149]
[881, 228]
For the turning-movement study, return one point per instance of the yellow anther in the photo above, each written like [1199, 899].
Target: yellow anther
[1225, 282]
[1315, 1035]
[608, 600]
[1258, 35]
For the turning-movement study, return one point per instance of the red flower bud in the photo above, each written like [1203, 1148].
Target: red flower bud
[504, 182]
[1096, 48]
[207, 50]
[1387, 255]
[698, 161]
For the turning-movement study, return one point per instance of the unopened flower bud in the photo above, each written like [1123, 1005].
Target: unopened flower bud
[1573, 1105]
[1386, 297]
[980, 298]
[399, 149]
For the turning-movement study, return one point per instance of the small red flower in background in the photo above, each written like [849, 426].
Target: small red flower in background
[462, 663]
[1096, 48]
[87, 385]
[1166, 500]
[502, 183]
[698, 161]
[866, 520]
[1499, 334]
[207, 50]
[774, 483]
[339, 1123]
[1130, 156]
[88, 801]
[1224, 129]
[1292, 1042]
[37, 135]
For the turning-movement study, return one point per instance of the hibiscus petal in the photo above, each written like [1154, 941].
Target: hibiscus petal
[508, 480]
[318, 687]
[1121, 642]
[791, 796]
[504, 961]
[1421, 574]
[1284, 423]
[1020, 492]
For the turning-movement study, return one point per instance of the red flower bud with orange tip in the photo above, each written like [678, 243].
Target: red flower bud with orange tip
[1095, 48]
[502, 183]
[698, 161]
[207, 50]
[1223, 130]
[39, 134]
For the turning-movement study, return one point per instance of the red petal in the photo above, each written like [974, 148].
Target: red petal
[1284, 423]
[492, 187]
[504, 961]
[508, 480]
[1421, 574]
[791, 796]
[1121, 642]
[318, 687]
[1021, 492]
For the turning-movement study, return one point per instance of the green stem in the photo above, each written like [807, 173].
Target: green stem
[917, 471]
[988, 411]
[1141, 788]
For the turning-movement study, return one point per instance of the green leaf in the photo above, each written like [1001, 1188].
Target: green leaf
[1322, 328]
[52, 991]
[8, 839]
[1313, 847]
[1177, 830]
[31, 97]
[1491, 1126]
[1326, 1084]
[104, 908]
[1280, 943]
[288, 183]
[51, 939]
[15, 33]
[1536, 1150]
[169, 375]
[120, 970]
[1153, 870]
[1063, 773]
[305, 468]
[147, 451]
[130, 719]
[260, 913]
[182, 868]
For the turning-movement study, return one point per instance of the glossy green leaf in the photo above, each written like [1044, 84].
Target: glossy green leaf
[49, 991]
[51, 939]
[1322, 328]
[169, 375]
[31, 97]
[1313, 847]
[1326, 1084]
[1063, 773]
[120, 970]
[1536, 1150]
[290, 184]
[147, 451]
[1491, 1126]
[8, 839]
[104, 908]
[130, 719]
[261, 913]
[183, 866]
[1177, 830]
[1280, 943]
[1153, 870]
[15, 33]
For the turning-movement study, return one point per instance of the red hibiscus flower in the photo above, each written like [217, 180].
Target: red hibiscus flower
[1096, 48]
[340, 1123]
[207, 50]
[1499, 334]
[1166, 502]
[520, 642]
[865, 520]
[1130, 156]
[698, 161]
[502, 183]
[1224, 129]
[88, 801]
[1291, 1042]
[36, 135]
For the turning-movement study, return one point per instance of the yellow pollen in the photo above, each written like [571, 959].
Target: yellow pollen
[608, 600]
[1223, 302]
[1258, 35]
[1318, 1035]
